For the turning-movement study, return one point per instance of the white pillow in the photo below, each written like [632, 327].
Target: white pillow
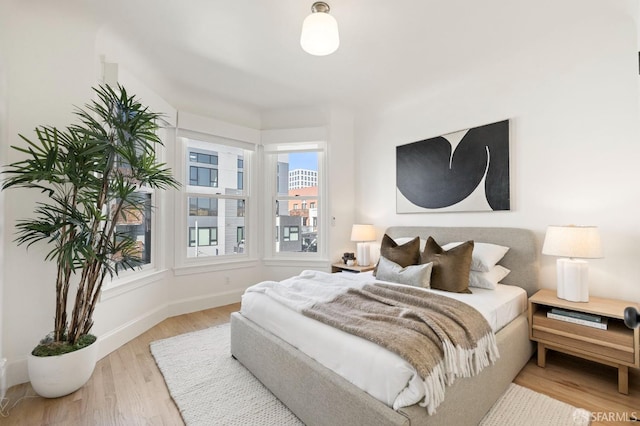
[414, 275]
[485, 255]
[488, 280]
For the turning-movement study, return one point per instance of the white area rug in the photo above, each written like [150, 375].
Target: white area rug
[211, 388]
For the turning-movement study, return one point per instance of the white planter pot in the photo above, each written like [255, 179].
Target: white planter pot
[55, 376]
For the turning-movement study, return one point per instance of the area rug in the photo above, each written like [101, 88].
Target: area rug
[209, 387]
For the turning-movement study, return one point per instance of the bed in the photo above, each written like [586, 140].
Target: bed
[318, 396]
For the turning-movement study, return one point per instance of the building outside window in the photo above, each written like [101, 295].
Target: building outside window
[137, 224]
[297, 213]
[215, 198]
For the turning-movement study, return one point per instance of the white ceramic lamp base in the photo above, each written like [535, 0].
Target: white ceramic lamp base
[363, 254]
[573, 280]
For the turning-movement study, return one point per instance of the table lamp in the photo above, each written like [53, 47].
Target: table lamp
[573, 243]
[362, 234]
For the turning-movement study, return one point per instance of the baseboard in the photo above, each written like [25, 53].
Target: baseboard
[16, 370]
[112, 340]
[194, 304]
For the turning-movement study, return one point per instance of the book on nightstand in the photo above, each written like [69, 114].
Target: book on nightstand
[579, 315]
[601, 324]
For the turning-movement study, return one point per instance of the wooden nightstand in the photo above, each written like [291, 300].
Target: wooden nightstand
[616, 346]
[341, 267]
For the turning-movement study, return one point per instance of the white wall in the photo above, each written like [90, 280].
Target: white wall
[42, 86]
[3, 156]
[571, 93]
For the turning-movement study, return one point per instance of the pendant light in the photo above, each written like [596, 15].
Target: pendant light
[319, 31]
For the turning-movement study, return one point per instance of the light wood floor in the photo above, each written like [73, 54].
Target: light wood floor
[128, 389]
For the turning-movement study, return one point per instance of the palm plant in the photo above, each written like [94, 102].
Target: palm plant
[92, 173]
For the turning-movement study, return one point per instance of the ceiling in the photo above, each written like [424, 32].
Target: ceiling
[247, 52]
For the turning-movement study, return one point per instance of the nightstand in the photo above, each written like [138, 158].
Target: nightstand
[342, 267]
[616, 346]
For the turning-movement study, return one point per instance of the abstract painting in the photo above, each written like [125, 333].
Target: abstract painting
[461, 171]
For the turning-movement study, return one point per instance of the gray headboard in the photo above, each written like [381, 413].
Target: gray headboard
[521, 259]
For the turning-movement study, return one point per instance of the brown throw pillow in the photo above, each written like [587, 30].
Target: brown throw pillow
[450, 267]
[404, 255]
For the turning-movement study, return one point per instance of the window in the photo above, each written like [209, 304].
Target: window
[137, 225]
[197, 157]
[290, 233]
[206, 237]
[240, 239]
[203, 176]
[240, 180]
[296, 180]
[240, 164]
[215, 171]
[203, 206]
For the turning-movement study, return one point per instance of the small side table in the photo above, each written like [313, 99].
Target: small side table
[616, 346]
[343, 267]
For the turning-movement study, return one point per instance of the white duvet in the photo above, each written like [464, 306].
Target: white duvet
[377, 371]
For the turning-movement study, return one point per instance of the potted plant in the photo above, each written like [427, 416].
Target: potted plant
[92, 173]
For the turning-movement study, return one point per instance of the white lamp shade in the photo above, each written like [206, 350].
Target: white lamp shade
[320, 34]
[363, 233]
[573, 242]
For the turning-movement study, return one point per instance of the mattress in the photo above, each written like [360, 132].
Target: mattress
[375, 370]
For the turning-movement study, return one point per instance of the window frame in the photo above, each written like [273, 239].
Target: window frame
[187, 140]
[154, 270]
[271, 227]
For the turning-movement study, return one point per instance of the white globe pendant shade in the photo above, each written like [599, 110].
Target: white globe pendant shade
[320, 31]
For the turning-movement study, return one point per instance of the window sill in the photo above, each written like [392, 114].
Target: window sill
[297, 262]
[132, 282]
[199, 268]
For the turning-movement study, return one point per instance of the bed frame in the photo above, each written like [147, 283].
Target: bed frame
[318, 396]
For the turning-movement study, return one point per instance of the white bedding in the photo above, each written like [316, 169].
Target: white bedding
[377, 371]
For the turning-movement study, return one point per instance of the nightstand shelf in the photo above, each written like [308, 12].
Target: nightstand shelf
[342, 267]
[616, 346]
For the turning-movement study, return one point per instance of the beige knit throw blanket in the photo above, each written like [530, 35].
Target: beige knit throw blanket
[441, 337]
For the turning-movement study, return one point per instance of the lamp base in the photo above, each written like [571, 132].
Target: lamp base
[363, 254]
[573, 280]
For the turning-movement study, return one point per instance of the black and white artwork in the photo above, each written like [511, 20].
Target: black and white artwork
[461, 171]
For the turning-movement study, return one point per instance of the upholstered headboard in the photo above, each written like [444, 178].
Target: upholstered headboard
[521, 259]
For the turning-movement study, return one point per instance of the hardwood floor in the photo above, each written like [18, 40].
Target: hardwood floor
[585, 384]
[128, 389]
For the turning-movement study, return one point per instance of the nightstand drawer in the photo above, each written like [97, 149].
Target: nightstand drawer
[615, 344]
